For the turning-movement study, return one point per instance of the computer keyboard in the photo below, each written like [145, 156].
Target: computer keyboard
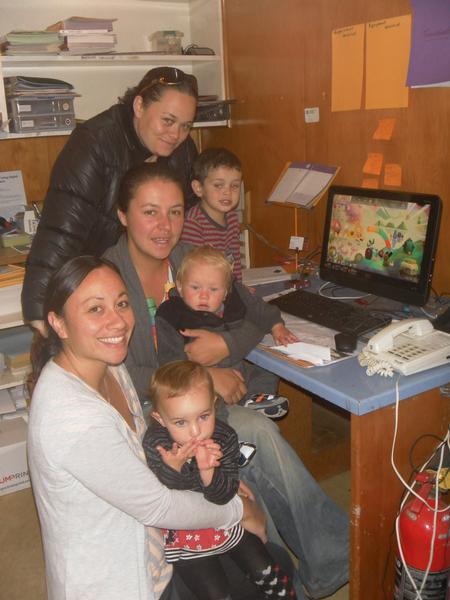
[331, 313]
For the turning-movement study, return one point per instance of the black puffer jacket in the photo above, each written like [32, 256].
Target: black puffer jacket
[79, 215]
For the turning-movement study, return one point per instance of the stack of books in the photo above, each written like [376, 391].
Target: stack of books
[85, 35]
[11, 275]
[19, 42]
[21, 85]
[15, 354]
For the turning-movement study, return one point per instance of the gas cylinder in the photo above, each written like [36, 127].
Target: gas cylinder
[416, 524]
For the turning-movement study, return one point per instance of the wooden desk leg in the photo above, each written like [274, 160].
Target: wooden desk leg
[376, 490]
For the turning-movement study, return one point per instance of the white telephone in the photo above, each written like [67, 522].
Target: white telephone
[407, 346]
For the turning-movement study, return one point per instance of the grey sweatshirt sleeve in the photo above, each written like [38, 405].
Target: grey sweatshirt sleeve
[259, 320]
[264, 315]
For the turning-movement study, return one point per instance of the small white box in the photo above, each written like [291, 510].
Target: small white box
[14, 474]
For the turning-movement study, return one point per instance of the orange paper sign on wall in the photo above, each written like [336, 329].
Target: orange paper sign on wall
[347, 63]
[387, 56]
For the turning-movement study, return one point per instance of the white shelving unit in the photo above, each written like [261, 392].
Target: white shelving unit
[8, 379]
[101, 79]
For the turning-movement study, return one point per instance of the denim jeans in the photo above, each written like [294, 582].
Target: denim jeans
[310, 523]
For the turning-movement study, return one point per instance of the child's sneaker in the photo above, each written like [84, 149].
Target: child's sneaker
[271, 405]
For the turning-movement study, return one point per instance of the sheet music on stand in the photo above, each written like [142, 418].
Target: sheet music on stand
[302, 184]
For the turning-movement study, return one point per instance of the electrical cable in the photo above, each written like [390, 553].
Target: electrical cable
[410, 490]
[414, 467]
[302, 261]
[327, 283]
[262, 239]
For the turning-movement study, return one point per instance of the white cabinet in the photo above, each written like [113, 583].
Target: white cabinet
[102, 79]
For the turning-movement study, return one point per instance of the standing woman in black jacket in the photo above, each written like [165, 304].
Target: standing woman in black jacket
[150, 122]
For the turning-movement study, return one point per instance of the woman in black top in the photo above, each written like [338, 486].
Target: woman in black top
[151, 122]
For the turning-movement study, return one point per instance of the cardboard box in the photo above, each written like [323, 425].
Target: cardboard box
[14, 474]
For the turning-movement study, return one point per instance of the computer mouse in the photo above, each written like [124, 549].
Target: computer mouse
[345, 342]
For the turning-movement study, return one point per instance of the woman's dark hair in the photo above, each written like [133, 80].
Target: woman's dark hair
[214, 158]
[156, 81]
[61, 286]
[141, 174]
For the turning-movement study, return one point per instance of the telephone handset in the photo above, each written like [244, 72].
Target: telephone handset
[408, 346]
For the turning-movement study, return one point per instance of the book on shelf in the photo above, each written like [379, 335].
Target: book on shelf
[82, 23]
[23, 36]
[82, 31]
[88, 38]
[17, 363]
[30, 86]
[11, 275]
[302, 184]
[19, 42]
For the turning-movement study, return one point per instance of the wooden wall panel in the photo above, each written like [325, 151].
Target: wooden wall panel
[35, 158]
[265, 58]
[279, 58]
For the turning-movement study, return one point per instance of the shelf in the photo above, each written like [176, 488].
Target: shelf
[11, 320]
[103, 60]
[8, 380]
[100, 79]
[12, 136]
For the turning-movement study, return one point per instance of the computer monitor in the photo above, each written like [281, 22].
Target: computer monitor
[381, 242]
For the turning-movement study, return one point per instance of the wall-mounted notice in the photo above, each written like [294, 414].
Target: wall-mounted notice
[387, 56]
[429, 63]
[12, 194]
[347, 64]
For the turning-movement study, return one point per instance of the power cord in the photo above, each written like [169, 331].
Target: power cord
[303, 262]
[326, 285]
[410, 490]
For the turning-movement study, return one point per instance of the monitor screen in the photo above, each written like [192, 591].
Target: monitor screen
[381, 242]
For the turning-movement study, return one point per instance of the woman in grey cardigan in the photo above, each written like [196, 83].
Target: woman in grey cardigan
[316, 530]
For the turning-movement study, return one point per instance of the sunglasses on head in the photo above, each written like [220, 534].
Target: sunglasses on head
[170, 76]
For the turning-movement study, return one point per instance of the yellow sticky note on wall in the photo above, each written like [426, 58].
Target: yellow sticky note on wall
[392, 174]
[370, 182]
[384, 129]
[373, 163]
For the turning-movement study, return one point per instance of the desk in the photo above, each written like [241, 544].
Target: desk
[376, 491]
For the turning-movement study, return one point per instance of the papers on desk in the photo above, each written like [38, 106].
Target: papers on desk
[313, 353]
[262, 275]
[315, 348]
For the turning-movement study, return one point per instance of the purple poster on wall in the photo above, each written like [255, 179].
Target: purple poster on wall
[429, 62]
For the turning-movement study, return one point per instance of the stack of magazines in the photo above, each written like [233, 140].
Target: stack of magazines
[85, 35]
[21, 42]
[37, 86]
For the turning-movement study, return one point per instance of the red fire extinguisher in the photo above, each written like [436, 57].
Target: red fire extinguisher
[415, 534]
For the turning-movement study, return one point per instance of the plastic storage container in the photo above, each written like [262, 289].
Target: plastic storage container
[168, 42]
[44, 113]
[54, 122]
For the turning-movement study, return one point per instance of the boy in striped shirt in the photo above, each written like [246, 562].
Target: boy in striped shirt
[213, 221]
